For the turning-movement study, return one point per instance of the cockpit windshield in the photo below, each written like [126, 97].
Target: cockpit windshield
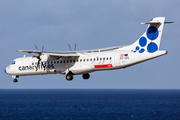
[13, 62]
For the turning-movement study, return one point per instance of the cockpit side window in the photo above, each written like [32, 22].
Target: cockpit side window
[13, 62]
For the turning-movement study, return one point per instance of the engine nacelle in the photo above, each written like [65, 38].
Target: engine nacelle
[45, 58]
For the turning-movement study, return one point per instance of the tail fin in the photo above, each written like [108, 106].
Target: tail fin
[150, 40]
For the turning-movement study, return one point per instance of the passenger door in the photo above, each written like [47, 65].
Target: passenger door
[117, 59]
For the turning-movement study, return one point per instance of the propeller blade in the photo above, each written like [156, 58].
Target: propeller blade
[36, 47]
[42, 48]
[69, 47]
[75, 47]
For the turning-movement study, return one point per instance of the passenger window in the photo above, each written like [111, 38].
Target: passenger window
[67, 61]
[107, 58]
[110, 58]
[54, 62]
[57, 62]
[103, 58]
[74, 61]
[60, 61]
[80, 60]
[87, 60]
[97, 59]
[84, 60]
[94, 59]
[91, 59]
[64, 61]
[77, 60]
[100, 58]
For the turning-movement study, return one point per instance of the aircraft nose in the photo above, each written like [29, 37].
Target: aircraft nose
[5, 70]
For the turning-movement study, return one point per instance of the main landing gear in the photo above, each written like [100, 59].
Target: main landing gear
[69, 76]
[86, 76]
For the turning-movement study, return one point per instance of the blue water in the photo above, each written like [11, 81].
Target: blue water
[85, 104]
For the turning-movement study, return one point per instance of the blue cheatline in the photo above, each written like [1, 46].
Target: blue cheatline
[142, 50]
[137, 47]
[5, 70]
[142, 41]
[152, 47]
[152, 33]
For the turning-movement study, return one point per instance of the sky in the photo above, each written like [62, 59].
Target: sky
[91, 24]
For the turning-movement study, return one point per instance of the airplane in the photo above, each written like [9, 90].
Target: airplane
[83, 62]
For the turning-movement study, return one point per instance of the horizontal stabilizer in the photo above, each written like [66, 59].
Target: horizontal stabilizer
[154, 22]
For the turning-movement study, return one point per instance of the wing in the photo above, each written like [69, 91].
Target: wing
[69, 53]
[55, 54]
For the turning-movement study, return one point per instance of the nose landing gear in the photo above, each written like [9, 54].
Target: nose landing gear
[15, 78]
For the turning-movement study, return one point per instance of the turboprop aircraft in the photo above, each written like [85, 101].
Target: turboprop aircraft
[84, 62]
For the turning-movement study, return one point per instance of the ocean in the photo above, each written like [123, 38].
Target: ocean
[89, 104]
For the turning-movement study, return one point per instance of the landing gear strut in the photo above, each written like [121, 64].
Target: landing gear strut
[69, 76]
[86, 76]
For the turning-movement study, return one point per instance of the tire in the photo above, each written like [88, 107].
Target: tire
[86, 76]
[15, 80]
[69, 77]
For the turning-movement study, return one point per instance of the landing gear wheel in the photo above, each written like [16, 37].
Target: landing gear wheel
[86, 76]
[69, 77]
[15, 80]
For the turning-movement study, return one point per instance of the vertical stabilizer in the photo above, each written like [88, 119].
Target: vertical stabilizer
[150, 40]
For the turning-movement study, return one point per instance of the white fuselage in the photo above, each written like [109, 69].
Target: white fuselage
[85, 63]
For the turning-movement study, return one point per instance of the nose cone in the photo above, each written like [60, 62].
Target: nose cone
[5, 70]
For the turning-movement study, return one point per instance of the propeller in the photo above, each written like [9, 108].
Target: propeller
[69, 47]
[74, 47]
[38, 57]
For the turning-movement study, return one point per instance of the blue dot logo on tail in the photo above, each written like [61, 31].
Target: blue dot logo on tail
[142, 43]
[152, 33]
[137, 47]
[152, 47]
